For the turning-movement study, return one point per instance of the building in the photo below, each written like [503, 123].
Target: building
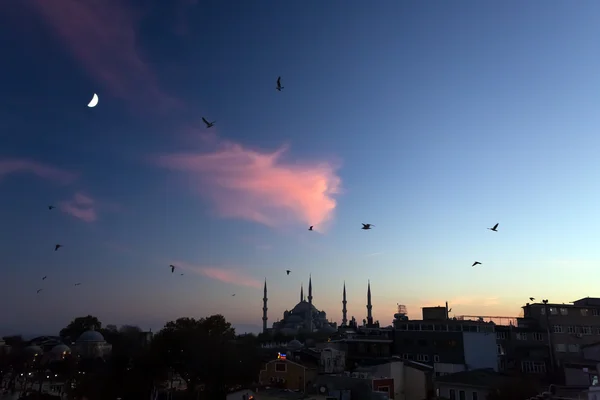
[569, 326]
[523, 349]
[287, 374]
[304, 317]
[472, 385]
[450, 345]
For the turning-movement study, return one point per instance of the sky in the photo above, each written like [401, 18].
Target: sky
[431, 120]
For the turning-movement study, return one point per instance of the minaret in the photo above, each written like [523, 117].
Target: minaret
[301, 293]
[264, 317]
[344, 311]
[369, 306]
[309, 290]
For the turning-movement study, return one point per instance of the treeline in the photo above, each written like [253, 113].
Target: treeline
[206, 352]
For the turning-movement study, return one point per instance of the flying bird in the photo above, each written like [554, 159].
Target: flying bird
[181, 274]
[233, 295]
[44, 278]
[475, 263]
[39, 290]
[287, 271]
[532, 299]
[311, 228]
[208, 124]
[172, 268]
[77, 284]
[279, 87]
[495, 228]
[366, 226]
[51, 207]
[58, 246]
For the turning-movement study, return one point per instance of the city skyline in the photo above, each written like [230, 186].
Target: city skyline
[431, 123]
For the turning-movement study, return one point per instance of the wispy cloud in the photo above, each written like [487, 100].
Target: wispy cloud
[260, 186]
[232, 276]
[81, 207]
[14, 165]
[101, 36]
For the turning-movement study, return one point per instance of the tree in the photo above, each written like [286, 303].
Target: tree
[13, 340]
[79, 325]
[201, 352]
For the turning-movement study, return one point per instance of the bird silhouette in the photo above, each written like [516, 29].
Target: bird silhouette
[311, 228]
[181, 274]
[44, 278]
[279, 87]
[233, 295]
[287, 271]
[495, 228]
[366, 226]
[172, 268]
[208, 124]
[58, 246]
[39, 290]
[531, 298]
[51, 207]
[77, 284]
[475, 263]
[449, 310]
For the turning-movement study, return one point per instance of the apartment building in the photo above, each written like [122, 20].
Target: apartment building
[570, 326]
[522, 349]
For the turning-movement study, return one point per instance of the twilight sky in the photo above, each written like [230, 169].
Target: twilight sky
[431, 120]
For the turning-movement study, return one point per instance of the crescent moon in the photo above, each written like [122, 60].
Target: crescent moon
[94, 101]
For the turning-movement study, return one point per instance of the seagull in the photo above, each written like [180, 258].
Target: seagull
[44, 278]
[495, 228]
[475, 263]
[279, 87]
[58, 246]
[233, 295]
[310, 229]
[288, 271]
[366, 226]
[77, 284]
[208, 124]
[532, 299]
[51, 207]
[39, 290]
[172, 268]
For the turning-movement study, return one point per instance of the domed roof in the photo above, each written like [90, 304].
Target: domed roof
[328, 329]
[60, 349]
[294, 318]
[33, 350]
[303, 307]
[91, 336]
[294, 344]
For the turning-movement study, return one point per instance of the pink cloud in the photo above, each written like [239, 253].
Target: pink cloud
[260, 186]
[12, 166]
[81, 206]
[101, 36]
[231, 276]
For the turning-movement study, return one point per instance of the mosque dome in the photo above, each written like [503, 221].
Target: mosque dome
[294, 318]
[91, 336]
[294, 345]
[303, 307]
[60, 349]
[33, 350]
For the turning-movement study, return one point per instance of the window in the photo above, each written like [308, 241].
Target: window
[553, 311]
[533, 367]
[543, 311]
[522, 336]
[462, 395]
[595, 312]
[538, 336]
[280, 367]
[422, 357]
[452, 394]
[573, 348]
[436, 358]
[474, 396]
[500, 335]
[564, 311]
[383, 389]
[584, 312]
[570, 329]
[500, 349]
[557, 329]
[560, 347]
[586, 330]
